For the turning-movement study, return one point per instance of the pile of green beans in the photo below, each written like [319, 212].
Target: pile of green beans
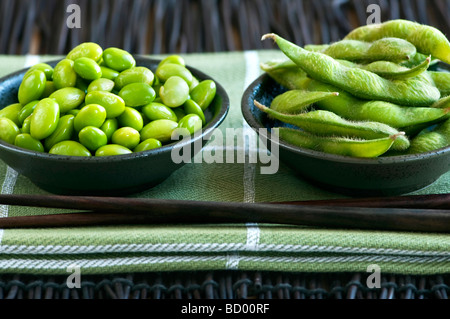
[97, 102]
[369, 95]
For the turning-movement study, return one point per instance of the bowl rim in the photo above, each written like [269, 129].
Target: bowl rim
[255, 125]
[206, 130]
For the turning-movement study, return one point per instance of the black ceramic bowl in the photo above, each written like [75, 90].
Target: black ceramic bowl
[343, 174]
[112, 175]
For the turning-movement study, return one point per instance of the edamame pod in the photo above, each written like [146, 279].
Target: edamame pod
[427, 39]
[26, 141]
[361, 83]
[352, 108]
[32, 86]
[441, 80]
[297, 101]
[325, 123]
[286, 73]
[336, 145]
[44, 119]
[431, 140]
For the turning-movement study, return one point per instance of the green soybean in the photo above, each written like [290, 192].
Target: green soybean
[32, 86]
[176, 59]
[26, 141]
[13, 112]
[359, 82]
[44, 67]
[126, 136]
[25, 111]
[191, 107]
[166, 70]
[89, 50]
[159, 129]
[90, 115]
[111, 150]
[44, 119]
[174, 92]
[336, 145]
[26, 125]
[204, 93]
[64, 74]
[87, 68]
[113, 104]
[191, 122]
[157, 111]
[109, 73]
[131, 118]
[137, 94]
[70, 148]
[68, 98]
[92, 138]
[148, 144]
[8, 130]
[118, 59]
[297, 101]
[101, 84]
[49, 89]
[64, 131]
[109, 127]
[427, 39]
[325, 123]
[137, 74]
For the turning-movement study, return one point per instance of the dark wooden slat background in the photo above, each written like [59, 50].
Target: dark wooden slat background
[184, 26]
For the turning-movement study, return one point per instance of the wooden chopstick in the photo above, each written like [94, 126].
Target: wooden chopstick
[116, 210]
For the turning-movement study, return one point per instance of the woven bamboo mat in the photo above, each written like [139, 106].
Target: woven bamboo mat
[171, 26]
[225, 285]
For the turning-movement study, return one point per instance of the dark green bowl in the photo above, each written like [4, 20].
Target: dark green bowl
[381, 176]
[112, 175]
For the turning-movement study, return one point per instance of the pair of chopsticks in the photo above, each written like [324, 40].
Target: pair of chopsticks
[425, 213]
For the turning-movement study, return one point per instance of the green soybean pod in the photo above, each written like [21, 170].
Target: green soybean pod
[92, 138]
[148, 144]
[174, 92]
[159, 129]
[297, 101]
[204, 93]
[26, 111]
[112, 150]
[393, 71]
[137, 74]
[68, 98]
[431, 139]
[64, 131]
[352, 108]
[325, 123]
[87, 69]
[191, 107]
[26, 141]
[44, 67]
[137, 94]
[191, 122]
[359, 82]
[166, 70]
[286, 73]
[31, 87]
[131, 118]
[8, 130]
[113, 104]
[157, 111]
[64, 74]
[118, 59]
[90, 115]
[101, 84]
[13, 112]
[86, 49]
[336, 145]
[109, 127]
[70, 148]
[427, 39]
[126, 136]
[441, 80]
[109, 73]
[44, 119]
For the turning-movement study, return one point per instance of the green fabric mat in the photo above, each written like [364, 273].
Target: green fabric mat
[118, 249]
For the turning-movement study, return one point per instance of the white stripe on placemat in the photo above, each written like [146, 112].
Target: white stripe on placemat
[11, 174]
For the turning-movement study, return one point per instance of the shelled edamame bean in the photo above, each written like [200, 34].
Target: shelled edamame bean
[370, 94]
[97, 102]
